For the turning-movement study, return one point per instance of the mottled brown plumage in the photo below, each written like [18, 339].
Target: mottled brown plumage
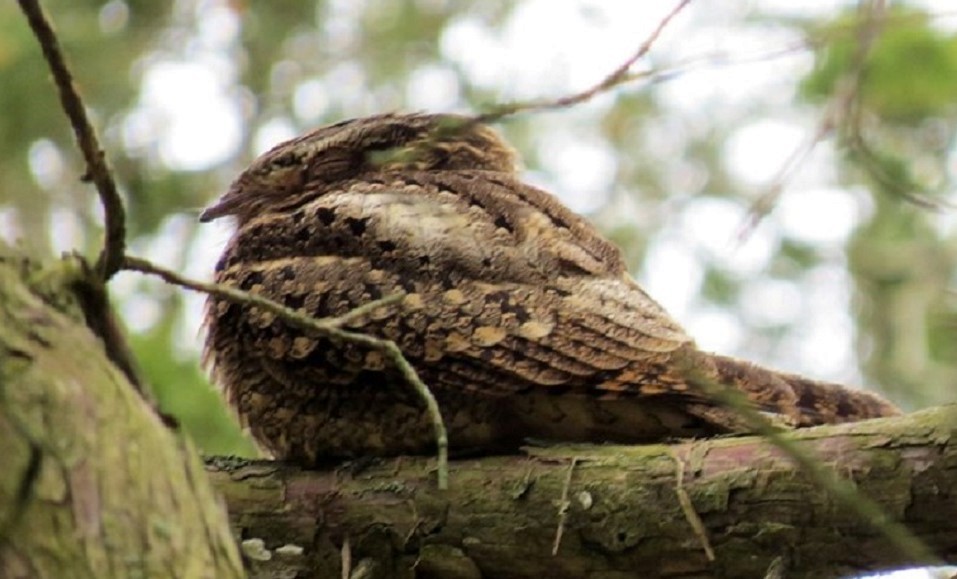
[519, 316]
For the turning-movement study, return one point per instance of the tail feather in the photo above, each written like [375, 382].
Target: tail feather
[807, 402]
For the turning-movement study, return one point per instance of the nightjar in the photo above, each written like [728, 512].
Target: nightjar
[517, 313]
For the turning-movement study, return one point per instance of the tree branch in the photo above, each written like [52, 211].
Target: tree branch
[617, 77]
[816, 468]
[839, 106]
[624, 519]
[97, 169]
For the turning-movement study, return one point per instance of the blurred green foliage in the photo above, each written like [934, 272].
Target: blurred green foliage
[898, 140]
[910, 73]
[182, 391]
[364, 57]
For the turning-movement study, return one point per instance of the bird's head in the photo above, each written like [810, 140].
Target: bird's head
[349, 149]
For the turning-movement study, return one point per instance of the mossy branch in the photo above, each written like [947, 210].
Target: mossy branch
[753, 508]
[843, 491]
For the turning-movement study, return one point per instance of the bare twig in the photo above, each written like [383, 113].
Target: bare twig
[687, 507]
[777, 569]
[875, 166]
[811, 41]
[838, 108]
[97, 170]
[617, 77]
[563, 505]
[329, 327]
[346, 558]
[621, 75]
[708, 61]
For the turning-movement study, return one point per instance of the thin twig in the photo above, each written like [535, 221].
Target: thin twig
[687, 507]
[842, 490]
[563, 505]
[364, 309]
[811, 41]
[415, 525]
[618, 76]
[838, 108]
[345, 557]
[711, 61]
[328, 327]
[875, 167]
[97, 169]
[777, 568]
[621, 75]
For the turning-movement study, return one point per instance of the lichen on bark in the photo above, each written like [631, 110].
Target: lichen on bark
[94, 483]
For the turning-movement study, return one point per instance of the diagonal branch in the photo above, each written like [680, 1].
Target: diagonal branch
[97, 169]
[840, 108]
[617, 77]
[328, 327]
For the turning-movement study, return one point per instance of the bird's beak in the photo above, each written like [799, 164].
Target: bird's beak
[211, 212]
[226, 205]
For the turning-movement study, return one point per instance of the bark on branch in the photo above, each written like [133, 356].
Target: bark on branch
[623, 515]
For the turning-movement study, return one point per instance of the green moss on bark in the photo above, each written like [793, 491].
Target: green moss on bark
[95, 484]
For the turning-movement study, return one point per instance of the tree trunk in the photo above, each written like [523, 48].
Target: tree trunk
[93, 484]
[623, 510]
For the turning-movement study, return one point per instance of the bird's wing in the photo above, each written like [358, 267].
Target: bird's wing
[503, 293]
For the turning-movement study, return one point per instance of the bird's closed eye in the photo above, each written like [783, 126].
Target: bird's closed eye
[286, 160]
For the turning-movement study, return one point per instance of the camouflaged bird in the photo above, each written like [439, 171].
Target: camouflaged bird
[517, 314]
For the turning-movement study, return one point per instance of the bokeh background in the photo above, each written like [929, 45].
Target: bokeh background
[741, 110]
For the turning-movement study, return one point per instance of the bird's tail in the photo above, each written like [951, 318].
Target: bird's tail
[806, 402]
